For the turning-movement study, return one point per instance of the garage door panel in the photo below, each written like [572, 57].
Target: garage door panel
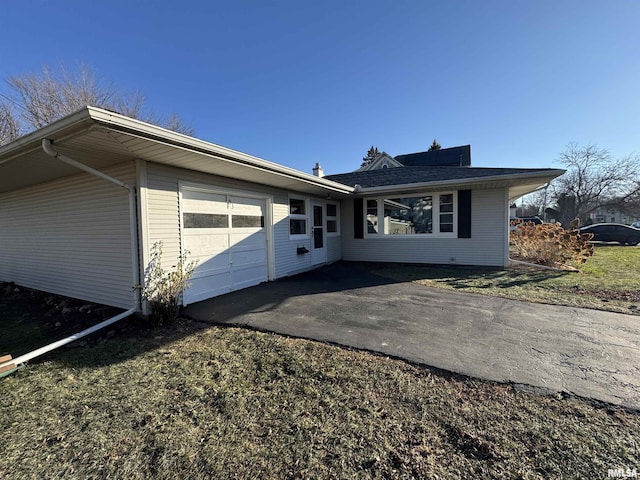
[248, 240]
[231, 252]
[199, 195]
[203, 243]
[195, 201]
[247, 206]
[203, 288]
[248, 257]
[208, 265]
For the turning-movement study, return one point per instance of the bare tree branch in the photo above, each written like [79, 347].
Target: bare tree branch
[48, 95]
[595, 179]
[9, 125]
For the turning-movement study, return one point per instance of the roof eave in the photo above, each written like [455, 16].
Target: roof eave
[72, 124]
[508, 180]
[128, 125]
[91, 117]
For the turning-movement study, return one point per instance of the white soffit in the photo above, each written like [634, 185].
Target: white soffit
[100, 138]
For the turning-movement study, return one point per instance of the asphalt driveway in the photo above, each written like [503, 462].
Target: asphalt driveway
[588, 353]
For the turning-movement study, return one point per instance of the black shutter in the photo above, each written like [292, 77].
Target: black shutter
[464, 213]
[358, 218]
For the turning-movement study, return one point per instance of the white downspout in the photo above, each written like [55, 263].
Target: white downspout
[133, 224]
[71, 338]
[46, 146]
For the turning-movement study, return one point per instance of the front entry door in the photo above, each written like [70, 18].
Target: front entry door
[319, 247]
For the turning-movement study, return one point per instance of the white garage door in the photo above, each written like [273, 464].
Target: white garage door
[226, 234]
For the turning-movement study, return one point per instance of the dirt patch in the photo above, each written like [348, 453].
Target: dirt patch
[604, 294]
[32, 319]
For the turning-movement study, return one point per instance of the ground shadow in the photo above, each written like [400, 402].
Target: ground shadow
[30, 322]
[30, 319]
[463, 276]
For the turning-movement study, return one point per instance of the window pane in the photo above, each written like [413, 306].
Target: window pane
[448, 198]
[296, 206]
[332, 226]
[297, 227]
[317, 216]
[372, 216]
[205, 220]
[446, 213]
[446, 207]
[244, 221]
[408, 216]
[332, 210]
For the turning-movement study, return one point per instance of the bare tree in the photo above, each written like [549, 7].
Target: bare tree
[36, 99]
[594, 179]
[9, 125]
[532, 204]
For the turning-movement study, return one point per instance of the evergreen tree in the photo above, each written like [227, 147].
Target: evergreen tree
[434, 146]
[372, 154]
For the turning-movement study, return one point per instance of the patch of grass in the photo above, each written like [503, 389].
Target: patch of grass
[610, 280]
[230, 403]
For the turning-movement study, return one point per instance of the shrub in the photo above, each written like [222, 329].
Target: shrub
[550, 244]
[163, 289]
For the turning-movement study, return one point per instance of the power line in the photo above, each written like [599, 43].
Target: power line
[13, 101]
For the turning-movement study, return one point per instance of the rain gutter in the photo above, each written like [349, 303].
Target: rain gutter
[133, 225]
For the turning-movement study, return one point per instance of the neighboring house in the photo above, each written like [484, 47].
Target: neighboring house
[444, 157]
[83, 200]
[611, 215]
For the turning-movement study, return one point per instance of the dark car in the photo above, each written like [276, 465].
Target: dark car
[613, 232]
[514, 222]
[535, 220]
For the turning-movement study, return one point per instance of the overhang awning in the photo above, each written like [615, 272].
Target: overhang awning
[99, 138]
[517, 185]
[416, 179]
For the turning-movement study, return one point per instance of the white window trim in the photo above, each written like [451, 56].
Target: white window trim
[296, 216]
[336, 219]
[378, 234]
[436, 217]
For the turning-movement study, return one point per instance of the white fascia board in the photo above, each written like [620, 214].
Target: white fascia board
[146, 130]
[76, 122]
[508, 180]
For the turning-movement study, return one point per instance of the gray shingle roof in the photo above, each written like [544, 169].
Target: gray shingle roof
[445, 157]
[408, 175]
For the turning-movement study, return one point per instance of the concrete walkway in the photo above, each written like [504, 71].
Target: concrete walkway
[584, 352]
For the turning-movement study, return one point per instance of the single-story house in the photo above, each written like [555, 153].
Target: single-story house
[84, 199]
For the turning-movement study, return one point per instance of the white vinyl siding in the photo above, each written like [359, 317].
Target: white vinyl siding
[334, 249]
[486, 247]
[70, 237]
[163, 218]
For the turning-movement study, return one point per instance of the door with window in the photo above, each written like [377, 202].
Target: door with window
[318, 240]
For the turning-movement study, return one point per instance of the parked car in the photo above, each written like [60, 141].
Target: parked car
[635, 224]
[514, 222]
[613, 232]
[535, 220]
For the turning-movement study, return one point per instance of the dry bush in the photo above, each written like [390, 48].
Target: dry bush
[163, 288]
[550, 244]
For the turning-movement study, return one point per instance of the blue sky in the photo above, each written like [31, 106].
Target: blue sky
[299, 82]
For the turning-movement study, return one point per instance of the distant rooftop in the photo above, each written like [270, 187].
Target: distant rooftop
[445, 157]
